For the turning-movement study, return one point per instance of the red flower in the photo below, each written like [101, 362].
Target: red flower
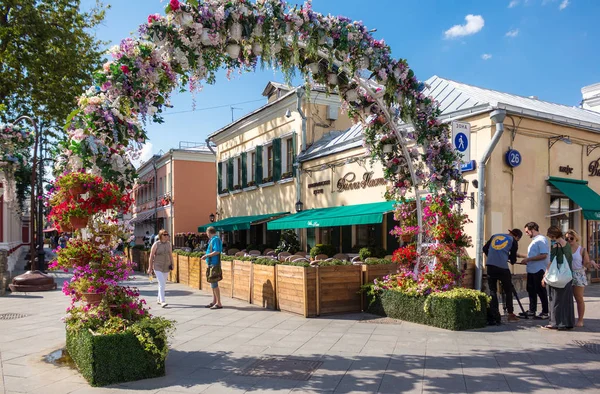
[153, 17]
[125, 69]
[174, 5]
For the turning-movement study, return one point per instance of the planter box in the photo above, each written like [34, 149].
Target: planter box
[136, 258]
[375, 271]
[204, 285]
[296, 290]
[338, 289]
[226, 285]
[144, 260]
[109, 359]
[242, 279]
[194, 272]
[449, 313]
[184, 270]
[264, 285]
[173, 275]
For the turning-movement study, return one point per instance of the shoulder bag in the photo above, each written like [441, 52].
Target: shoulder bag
[214, 272]
[559, 273]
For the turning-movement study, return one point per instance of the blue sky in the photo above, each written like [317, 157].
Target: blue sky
[546, 48]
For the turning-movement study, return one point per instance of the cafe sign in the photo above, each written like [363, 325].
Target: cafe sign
[594, 168]
[350, 182]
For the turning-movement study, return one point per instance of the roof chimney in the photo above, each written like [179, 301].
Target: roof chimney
[591, 97]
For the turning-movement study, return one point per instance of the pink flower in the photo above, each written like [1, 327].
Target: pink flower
[174, 5]
[153, 17]
[125, 69]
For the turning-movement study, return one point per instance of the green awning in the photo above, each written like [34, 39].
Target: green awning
[581, 194]
[239, 222]
[334, 216]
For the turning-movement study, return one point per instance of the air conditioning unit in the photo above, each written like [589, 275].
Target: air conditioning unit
[332, 112]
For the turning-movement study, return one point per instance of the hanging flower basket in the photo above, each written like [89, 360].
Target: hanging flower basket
[77, 190]
[235, 32]
[351, 95]
[92, 298]
[313, 68]
[79, 222]
[257, 49]
[388, 148]
[233, 50]
[406, 238]
[332, 79]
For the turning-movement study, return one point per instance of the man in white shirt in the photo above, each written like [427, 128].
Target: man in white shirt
[538, 256]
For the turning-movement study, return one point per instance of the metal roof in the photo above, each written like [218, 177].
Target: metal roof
[334, 142]
[455, 96]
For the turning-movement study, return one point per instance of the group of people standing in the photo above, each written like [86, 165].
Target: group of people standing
[556, 302]
[161, 262]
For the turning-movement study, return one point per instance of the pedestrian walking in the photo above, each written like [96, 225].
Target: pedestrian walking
[537, 260]
[581, 261]
[501, 249]
[214, 273]
[161, 261]
[562, 312]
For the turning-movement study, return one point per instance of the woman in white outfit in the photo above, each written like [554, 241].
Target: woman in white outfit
[161, 259]
[581, 261]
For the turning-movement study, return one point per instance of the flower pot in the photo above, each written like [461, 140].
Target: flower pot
[206, 39]
[388, 148]
[235, 32]
[332, 79]
[406, 238]
[313, 68]
[233, 50]
[257, 49]
[351, 95]
[92, 298]
[276, 48]
[77, 190]
[77, 222]
[257, 31]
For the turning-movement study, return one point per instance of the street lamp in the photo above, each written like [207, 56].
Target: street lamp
[465, 189]
[299, 206]
[211, 217]
[33, 280]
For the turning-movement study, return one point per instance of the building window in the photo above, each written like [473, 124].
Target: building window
[289, 155]
[270, 161]
[224, 175]
[239, 172]
[252, 167]
[561, 217]
[365, 235]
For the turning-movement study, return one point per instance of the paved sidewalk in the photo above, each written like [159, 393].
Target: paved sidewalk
[214, 351]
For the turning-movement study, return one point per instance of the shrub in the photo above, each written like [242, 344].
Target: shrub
[457, 309]
[288, 242]
[265, 261]
[376, 261]
[334, 262]
[371, 251]
[327, 249]
[296, 263]
[364, 254]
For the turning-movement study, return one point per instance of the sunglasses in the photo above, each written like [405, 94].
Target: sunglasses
[570, 238]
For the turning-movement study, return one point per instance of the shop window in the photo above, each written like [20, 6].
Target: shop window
[593, 246]
[252, 166]
[365, 235]
[289, 156]
[238, 180]
[561, 213]
[270, 161]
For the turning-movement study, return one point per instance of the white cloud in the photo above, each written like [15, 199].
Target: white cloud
[145, 155]
[513, 3]
[512, 33]
[486, 56]
[563, 5]
[474, 24]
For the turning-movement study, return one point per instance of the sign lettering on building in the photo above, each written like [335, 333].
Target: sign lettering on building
[349, 182]
[594, 168]
[566, 169]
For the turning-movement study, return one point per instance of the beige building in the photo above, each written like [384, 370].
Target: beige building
[552, 174]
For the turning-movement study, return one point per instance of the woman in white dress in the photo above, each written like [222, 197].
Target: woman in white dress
[581, 261]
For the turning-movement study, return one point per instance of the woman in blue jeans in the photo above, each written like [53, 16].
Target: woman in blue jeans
[214, 249]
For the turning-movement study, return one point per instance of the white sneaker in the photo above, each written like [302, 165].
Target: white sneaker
[163, 304]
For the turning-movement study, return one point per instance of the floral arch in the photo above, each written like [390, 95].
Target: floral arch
[195, 39]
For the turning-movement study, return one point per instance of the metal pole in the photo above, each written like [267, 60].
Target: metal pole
[40, 218]
[32, 201]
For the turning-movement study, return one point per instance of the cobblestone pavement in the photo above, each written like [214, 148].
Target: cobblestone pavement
[244, 348]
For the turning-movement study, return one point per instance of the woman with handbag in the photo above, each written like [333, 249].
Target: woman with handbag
[581, 261]
[214, 273]
[559, 279]
[161, 261]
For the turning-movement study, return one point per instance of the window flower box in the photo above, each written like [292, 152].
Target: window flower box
[237, 187]
[251, 183]
[224, 191]
[267, 179]
[287, 175]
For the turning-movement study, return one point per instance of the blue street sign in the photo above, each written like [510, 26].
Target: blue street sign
[513, 158]
[469, 166]
[461, 142]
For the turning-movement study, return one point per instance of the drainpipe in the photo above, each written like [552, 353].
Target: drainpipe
[297, 164]
[172, 195]
[299, 94]
[155, 196]
[497, 117]
[216, 177]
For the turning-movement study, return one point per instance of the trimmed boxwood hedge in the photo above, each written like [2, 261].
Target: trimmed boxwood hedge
[114, 358]
[458, 309]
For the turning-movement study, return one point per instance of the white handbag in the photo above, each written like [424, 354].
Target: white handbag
[558, 275]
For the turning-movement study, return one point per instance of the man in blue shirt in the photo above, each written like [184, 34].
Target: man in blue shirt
[537, 259]
[499, 250]
[212, 257]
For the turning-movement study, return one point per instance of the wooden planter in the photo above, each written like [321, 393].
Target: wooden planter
[144, 260]
[136, 257]
[184, 273]
[194, 272]
[296, 290]
[173, 275]
[264, 285]
[226, 285]
[372, 272]
[242, 280]
[338, 289]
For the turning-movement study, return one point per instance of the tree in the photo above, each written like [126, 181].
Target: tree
[47, 57]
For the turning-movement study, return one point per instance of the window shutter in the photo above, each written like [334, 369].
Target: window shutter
[219, 177]
[230, 174]
[276, 159]
[244, 170]
[293, 154]
[258, 171]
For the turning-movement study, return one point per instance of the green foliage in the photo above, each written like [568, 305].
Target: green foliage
[48, 53]
[371, 251]
[376, 261]
[327, 249]
[265, 261]
[288, 242]
[457, 309]
[296, 263]
[137, 353]
[364, 254]
[334, 262]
